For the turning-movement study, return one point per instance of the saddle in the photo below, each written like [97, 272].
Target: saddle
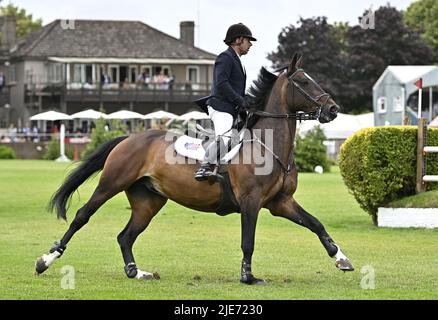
[193, 146]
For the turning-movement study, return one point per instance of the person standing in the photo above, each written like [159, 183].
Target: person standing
[227, 93]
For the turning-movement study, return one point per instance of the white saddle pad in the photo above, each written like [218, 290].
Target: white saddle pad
[192, 148]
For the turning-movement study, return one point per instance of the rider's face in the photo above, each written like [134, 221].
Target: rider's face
[244, 45]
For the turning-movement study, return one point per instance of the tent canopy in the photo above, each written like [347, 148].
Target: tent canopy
[160, 115]
[195, 115]
[51, 116]
[125, 115]
[342, 127]
[89, 114]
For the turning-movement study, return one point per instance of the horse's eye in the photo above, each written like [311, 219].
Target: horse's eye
[302, 81]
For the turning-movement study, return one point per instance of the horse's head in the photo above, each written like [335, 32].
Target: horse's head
[302, 93]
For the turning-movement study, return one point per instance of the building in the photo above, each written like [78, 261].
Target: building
[395, 95]
[73, 65]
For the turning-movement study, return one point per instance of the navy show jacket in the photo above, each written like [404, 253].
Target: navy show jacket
[229, 83]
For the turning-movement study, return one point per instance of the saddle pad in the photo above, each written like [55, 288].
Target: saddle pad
[192, 148]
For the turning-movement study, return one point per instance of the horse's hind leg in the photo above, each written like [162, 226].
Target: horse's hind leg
[102, 193]
[291, 210]
[144, 204]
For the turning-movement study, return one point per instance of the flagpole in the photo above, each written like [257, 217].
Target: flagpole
[419, 84]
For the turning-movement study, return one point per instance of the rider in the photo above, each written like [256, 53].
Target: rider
[227, 93]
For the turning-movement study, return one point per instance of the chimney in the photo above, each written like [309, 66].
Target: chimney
[187, 32]
[9, 31]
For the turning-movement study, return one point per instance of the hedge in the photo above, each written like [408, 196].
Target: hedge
[378, 164]
[7, 153]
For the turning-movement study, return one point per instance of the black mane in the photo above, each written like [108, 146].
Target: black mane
[259, 92]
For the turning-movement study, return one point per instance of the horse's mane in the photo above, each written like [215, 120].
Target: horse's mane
[259, 92]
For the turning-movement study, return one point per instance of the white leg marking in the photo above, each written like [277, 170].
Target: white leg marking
[50, 258]
[144, 275]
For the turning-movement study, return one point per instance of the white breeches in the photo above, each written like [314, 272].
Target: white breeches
[223, 121]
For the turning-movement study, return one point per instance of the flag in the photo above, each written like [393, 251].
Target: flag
[419, 83]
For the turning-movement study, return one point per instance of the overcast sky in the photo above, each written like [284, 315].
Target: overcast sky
[212, 17]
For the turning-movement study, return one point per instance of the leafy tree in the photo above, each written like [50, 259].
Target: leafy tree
[25, 22]
[311, 152]
[102, 133]
[347, 61]
[370, 51]
[319, 43]
[423, 16]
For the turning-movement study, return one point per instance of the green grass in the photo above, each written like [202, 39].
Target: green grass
[422, 200]
[198, 254]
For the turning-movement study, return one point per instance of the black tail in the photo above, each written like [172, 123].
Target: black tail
[90, 165]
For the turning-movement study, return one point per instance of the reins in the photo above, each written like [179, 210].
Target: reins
[297, 115]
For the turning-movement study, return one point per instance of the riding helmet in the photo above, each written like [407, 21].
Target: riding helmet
[238, 30]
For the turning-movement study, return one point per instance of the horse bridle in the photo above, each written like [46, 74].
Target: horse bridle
[298, 115]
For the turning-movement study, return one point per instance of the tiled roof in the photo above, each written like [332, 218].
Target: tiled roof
[101, 39]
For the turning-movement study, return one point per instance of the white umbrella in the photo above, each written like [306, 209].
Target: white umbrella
[89, 114]
[195, 115]
[124, 115]
[160, 115]
[51, 116]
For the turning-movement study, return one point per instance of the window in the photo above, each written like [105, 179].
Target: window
[114, 73]
[192, 74]
[381, 105]
[397, 104]
[133, 74]
[55, 72]
[77, 73]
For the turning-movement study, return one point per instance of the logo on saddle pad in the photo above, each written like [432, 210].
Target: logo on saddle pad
[192, 148]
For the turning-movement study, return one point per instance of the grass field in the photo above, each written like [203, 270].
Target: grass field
[198, 254]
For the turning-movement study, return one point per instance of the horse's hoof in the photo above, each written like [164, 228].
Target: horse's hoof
[344, 265]
[149, 276]
[251, 280]
[40, 266]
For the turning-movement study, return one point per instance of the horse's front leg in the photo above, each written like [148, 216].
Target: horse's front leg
[288, 208]
[249, 214]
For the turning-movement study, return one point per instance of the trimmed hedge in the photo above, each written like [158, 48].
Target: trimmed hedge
[378, 164]
[7, 153]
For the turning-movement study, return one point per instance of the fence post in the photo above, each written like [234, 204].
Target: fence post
[421, 137]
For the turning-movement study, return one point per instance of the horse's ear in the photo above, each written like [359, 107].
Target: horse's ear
[291, 68]
[299, 63]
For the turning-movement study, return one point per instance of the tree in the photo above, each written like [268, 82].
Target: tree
[25, 22]
[311, 152]
[370, 51]
[318, 42]
[423, 16]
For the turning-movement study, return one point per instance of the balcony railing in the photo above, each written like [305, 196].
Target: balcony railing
[153, 92]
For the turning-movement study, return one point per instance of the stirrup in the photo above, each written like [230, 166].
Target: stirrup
[204, 172]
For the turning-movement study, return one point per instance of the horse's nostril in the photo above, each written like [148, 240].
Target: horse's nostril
[334, 109]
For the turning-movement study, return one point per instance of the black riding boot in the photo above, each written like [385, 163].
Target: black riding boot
[210, 159]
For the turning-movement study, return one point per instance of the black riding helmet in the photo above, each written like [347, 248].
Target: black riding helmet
[238, 30]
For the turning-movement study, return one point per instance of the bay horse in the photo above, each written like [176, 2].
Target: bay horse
[137, 166]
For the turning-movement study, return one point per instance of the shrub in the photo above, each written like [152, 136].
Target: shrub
[101, 134]
[378, 164]
[53, 151]
[7, 153]
[311, 152]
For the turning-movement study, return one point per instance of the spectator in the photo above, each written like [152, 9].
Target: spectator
[105, 79]
[2, 81]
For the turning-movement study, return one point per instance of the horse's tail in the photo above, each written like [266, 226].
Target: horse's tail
[90, 165]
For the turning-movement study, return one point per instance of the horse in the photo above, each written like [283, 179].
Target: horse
[136, 165]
